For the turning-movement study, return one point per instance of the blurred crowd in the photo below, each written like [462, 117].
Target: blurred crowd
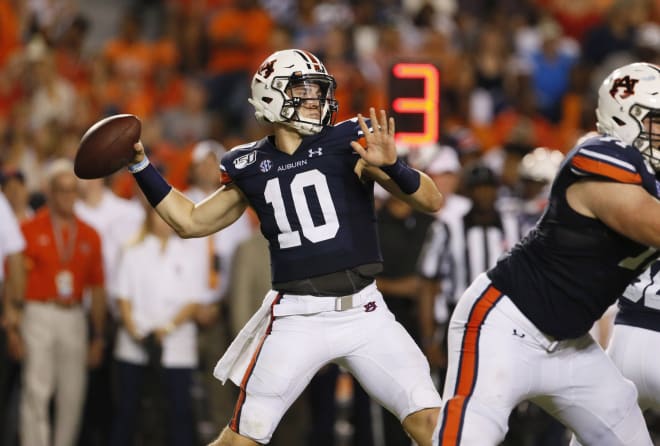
[516, 75]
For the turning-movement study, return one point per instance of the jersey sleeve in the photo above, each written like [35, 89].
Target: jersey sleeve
[235, 161]
[351, 130]
[608, 159]
[225, 178]
[225, 164]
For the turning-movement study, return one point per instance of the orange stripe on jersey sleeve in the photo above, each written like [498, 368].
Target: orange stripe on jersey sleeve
[225, 178]
[606, 170]
[454, 410]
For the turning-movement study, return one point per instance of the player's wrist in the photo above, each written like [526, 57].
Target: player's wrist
[407, 178]
[139, 166]
[390, 163]
[151, 182]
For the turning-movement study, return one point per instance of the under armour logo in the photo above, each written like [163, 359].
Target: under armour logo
[369, 306]
[520, 335]
[317, 152]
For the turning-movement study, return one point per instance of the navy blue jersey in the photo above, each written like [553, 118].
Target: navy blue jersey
[316, 214]
[570, 268]
[640, 304]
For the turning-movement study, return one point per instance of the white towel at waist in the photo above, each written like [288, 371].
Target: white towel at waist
[236, 359]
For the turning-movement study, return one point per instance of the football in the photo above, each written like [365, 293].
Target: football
[107, 146]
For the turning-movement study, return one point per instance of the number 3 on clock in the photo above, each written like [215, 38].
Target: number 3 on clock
[414, 90]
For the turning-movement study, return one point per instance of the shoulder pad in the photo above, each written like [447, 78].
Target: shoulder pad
[609, 158]
[351, 127]
[236, 159]
[350, 130]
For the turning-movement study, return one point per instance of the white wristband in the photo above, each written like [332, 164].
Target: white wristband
[137, 167]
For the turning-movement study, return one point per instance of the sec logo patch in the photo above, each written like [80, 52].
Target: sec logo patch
[265, 165]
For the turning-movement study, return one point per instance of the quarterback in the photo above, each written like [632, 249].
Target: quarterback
[311, 184]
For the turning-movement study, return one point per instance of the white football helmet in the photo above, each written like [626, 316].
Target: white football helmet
[626, 97]
[271, 90]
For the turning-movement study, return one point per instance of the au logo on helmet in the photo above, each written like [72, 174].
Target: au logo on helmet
[267, 68]
[623, 82]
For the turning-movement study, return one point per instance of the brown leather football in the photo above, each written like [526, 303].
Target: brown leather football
[107, 146]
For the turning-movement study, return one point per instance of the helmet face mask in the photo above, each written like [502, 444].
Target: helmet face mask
[649, 138]
[292, 87]
[629, 108]
[313, 95]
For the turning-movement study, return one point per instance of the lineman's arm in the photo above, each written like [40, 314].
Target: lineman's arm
[626, 208]
[188, 219]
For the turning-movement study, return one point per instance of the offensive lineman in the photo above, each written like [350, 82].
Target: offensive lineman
[311, 184]
[520, 331]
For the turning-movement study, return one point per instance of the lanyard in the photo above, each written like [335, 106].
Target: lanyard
[64, 253]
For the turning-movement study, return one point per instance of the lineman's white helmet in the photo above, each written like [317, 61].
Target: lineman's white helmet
[626, 97]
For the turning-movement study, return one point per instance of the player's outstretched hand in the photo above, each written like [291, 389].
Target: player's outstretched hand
[381, 148]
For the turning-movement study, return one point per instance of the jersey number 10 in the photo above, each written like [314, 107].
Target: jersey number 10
[289, 238]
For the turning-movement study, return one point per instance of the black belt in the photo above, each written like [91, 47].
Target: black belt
[340, 283]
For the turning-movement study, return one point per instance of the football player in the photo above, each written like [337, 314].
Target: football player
[520, 331]
[635, 333]
[311, 184]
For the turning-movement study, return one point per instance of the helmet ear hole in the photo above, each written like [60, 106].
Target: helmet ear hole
[618, 121]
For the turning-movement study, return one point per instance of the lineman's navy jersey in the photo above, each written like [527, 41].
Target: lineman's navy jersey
[317, 215]
[640, 304]
[571, 268]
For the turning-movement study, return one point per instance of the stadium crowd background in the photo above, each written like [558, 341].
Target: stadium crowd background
[184, 66]
[516, 74]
